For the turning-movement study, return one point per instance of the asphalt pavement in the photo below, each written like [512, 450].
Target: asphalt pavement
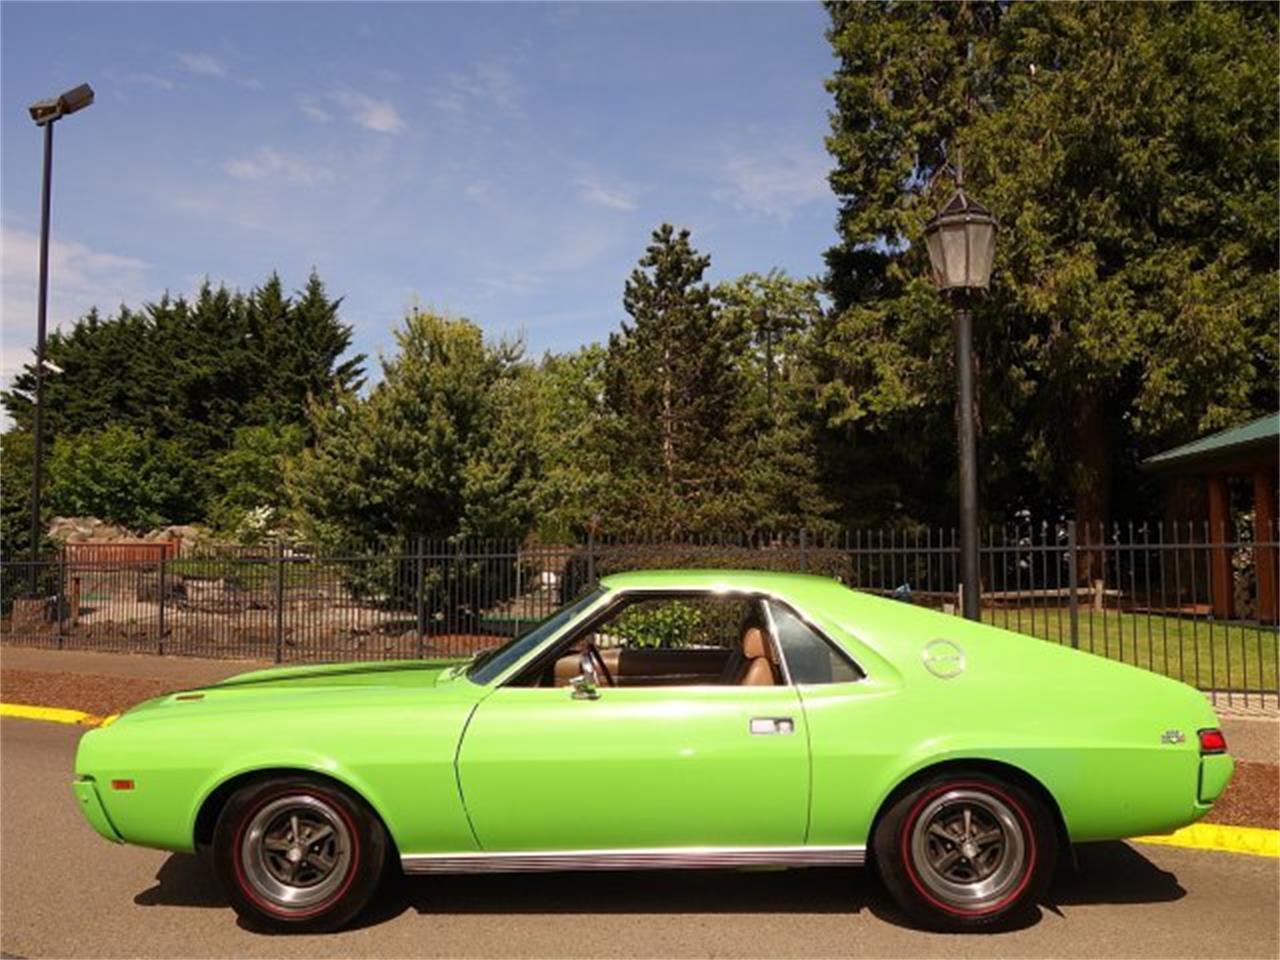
[66, 892]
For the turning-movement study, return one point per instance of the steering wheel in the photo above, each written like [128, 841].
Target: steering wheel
[597, 660]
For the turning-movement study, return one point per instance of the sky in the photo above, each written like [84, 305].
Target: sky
[505, 163]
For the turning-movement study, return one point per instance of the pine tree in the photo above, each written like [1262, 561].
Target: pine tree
[438, 448]
[1129, 151]
[671, 383]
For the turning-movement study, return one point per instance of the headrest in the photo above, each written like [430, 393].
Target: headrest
[754, 644]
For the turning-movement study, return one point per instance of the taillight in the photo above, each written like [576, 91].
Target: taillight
[1212, 741]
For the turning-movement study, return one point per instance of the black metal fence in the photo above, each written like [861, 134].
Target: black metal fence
[1175, 599]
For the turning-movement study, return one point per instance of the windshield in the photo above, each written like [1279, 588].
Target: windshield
[492, 663]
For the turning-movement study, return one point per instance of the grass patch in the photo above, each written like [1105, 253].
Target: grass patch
[1208, 654]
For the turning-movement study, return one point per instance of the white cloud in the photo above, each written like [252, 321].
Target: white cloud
[79, 278]
[147, 80]
[317, 114]
[594, 192]
[207, 65]
[775, 183]
[269, 163]
[203, 64]
[486, 83]
[377, 115]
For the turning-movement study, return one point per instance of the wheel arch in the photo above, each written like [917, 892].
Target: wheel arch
[1000, 769]
[215, 800]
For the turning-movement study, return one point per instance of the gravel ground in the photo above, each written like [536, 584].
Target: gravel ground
[1252, 799]
[89, 692]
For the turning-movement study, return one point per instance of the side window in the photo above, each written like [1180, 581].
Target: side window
[810, 658]
[670, 640]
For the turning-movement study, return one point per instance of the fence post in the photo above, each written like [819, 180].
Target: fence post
[1073, 575]
[419, 579]
[62, 591]
[519, 588]
[804, 550]
[279, 601]
[164, 592]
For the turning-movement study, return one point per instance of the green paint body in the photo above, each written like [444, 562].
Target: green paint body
[454, 766]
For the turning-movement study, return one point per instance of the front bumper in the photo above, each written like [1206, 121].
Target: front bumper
[86, 791]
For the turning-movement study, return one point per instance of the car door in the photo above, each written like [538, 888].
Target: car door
[636, 768]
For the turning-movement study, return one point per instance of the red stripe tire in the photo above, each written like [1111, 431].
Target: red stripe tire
[963, 850]
[298, 853]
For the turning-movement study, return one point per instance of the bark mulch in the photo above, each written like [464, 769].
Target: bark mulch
[89, 692]
[1252, 799]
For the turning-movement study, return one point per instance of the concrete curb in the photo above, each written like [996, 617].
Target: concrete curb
[1255, 841]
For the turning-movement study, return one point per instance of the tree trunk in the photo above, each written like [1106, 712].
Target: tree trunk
[1091, 484]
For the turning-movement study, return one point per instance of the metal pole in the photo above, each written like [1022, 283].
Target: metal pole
[279, 600]
[968, 463]
[41, 308]
[1073, 583]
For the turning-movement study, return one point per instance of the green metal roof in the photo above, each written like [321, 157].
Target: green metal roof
[1258, 439]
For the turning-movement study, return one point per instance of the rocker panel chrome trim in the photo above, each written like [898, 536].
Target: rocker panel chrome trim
[660, 858]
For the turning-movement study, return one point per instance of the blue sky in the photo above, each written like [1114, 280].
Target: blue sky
[500, 162]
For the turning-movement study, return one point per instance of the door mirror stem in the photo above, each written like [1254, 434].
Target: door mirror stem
[586, 684]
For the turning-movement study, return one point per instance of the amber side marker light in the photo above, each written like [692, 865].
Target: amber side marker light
[121, 784]
[1212, 741]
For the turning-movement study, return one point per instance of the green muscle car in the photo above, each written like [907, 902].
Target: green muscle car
[671, 719]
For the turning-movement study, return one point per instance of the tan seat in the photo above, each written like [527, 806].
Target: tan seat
[758, 668]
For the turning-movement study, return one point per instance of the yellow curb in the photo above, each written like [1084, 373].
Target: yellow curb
[1219, 836]
[54, 714]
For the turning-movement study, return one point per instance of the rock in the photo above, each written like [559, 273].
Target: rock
[175, 588]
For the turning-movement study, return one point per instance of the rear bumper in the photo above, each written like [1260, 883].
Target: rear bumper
[86, 792]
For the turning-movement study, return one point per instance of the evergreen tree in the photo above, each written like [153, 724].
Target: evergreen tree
[671, 385]
[190, 374]
[126, 476]
[438, 448]
[570, 433]
[774, 412]
[1129, 151]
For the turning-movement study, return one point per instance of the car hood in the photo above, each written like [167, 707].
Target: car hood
[398, 673]
[317, 685]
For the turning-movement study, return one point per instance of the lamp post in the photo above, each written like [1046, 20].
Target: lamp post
[961, 238]
[45, 113]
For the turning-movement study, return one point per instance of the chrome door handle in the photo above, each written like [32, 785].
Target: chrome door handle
[763, 726]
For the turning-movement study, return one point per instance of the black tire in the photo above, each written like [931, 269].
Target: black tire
[265, 836]
[964, 850]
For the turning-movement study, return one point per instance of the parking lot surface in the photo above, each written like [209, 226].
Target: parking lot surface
[66, 892]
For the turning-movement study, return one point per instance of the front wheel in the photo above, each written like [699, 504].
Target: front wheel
[965, 851]
[297, 853]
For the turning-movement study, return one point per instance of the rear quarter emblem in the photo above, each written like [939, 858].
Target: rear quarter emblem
[1173, 736]
[943, 659]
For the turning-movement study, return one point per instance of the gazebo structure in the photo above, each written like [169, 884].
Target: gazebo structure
[1250, 451]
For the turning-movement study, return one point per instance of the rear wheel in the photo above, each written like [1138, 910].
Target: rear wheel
[965, 851]
[297, 853]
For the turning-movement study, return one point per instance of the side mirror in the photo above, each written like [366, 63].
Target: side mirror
[586, 684]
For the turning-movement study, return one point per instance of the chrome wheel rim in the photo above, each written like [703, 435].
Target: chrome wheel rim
[296, 851]
[969, 848]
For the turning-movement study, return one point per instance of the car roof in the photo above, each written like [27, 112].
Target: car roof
[765, 580]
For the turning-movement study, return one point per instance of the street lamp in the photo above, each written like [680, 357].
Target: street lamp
[961, 238]
[45, 113]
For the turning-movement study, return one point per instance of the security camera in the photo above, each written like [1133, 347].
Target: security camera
[51, 366]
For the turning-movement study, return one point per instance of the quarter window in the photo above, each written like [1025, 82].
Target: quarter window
[810, 658]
